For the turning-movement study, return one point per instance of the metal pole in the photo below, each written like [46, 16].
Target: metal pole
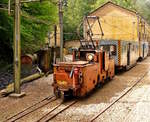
[55, 35]
[55, 43]
[9, 7]
[17, 49]
[61, 28]
[49, 39]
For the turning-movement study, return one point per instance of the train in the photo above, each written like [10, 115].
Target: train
[90, 68]
[114, 38]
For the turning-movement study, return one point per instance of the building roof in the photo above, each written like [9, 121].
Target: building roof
[128, 10]
[111, 3]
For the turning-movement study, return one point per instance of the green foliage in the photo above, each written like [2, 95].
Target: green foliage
[36, 20]
[6, 35]
[125, 3]
[74, 14]
[143, 8]
[34, 31]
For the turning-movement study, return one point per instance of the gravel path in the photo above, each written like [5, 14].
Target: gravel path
[35, 91]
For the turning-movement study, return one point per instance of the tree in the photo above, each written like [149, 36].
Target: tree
[37, 19]
[73, 15]
[143, 7]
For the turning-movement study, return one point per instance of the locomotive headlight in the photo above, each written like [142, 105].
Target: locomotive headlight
[89, 56]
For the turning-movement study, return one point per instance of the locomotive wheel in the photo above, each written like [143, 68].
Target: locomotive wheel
[57, 93]
[99, 85]
[65, 95]
[62, 95]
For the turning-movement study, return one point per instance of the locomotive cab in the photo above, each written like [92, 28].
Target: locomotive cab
[82, 55]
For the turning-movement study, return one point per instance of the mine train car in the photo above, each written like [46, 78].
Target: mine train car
[88, 70]
[144, 50]
[123, 32]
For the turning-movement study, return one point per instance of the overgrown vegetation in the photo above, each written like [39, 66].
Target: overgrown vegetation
[37, 19]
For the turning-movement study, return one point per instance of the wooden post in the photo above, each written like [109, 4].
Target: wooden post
[61, 28]
[17, 49]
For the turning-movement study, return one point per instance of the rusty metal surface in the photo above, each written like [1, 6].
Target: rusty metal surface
[81, 77]
[74, 63]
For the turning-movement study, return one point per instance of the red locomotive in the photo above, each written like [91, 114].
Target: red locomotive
[89, 68]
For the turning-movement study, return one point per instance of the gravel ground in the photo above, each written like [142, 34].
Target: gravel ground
[35, 91]
[86, 108]
[134, 107]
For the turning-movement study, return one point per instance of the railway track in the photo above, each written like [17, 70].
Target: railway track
[50, 115]
[60, 107]
[57, 109]
[45, 118]
[31, 109]
[121, 96]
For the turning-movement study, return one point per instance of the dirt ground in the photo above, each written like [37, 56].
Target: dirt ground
[134, 107]
[35, 91]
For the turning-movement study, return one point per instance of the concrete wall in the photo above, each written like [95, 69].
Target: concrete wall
[73, 43]
[117, 24]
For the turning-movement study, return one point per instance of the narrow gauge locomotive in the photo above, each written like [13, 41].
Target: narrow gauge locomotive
[90, 68]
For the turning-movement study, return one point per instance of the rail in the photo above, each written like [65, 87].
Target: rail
[31, 109]
[111, 104]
